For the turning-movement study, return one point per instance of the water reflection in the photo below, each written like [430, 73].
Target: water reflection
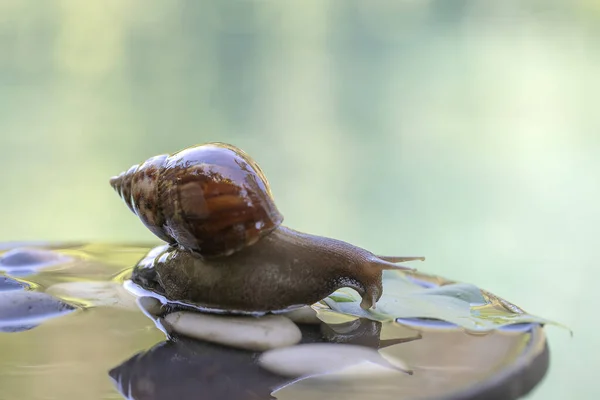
[365, 332]
[189, 369]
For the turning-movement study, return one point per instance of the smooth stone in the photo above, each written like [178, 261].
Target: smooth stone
[322, 358]
[8, 284]
[25, 309]
[95, 294]
[250, 333]
[150, 305]
[303, 315]
[26, 261]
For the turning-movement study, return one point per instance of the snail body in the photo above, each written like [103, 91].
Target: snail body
[228, 249]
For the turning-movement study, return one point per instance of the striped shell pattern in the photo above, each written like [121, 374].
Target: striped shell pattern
[212, 199]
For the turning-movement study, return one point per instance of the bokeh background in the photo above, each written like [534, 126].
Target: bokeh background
[466, 131]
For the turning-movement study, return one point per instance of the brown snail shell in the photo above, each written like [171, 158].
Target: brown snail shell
[212, 199]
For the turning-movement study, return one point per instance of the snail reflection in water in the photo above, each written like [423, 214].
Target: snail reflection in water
[228, 249]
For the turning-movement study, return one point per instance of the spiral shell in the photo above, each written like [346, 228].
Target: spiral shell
[212, 198]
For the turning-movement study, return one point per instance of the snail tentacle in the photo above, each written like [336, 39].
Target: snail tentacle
[397, 259]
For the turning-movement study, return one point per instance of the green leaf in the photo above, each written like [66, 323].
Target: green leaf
[341, 298]
[461, 304]
[462, 291]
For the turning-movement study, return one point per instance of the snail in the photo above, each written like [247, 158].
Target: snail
[227, 248]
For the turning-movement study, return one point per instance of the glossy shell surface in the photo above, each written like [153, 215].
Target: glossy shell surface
[211, 198]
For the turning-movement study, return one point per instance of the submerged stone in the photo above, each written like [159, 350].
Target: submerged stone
[23, 261]
[8, 284]
[250, 333]
[16, 328]
[150, 305]
[21, 310]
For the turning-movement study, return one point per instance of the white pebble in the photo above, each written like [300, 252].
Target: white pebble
[8, 284]
[321, 358]
[150, 305]
[27, 309]
[250, 333]
[95, 294]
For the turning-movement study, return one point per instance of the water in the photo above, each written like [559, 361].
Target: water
[106, 347]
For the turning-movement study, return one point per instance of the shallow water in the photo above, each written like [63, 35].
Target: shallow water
[106, 347]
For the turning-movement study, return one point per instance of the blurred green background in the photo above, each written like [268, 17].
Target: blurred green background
[465, 131]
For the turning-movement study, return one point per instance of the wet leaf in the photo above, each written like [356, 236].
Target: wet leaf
[460, 304]
[341, 298]
[463, 291]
